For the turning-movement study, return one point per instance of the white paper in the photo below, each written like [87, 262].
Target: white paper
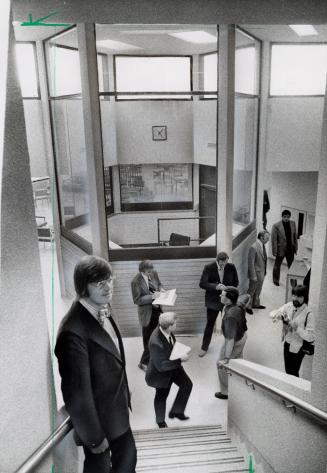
[166, 298]
[179, 350]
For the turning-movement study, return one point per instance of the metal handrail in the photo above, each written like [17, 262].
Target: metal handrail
[44, 449]
[294, 401]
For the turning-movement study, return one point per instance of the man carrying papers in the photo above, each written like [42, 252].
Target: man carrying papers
[163, 371]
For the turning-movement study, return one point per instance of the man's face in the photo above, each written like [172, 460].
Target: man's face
[148, 272]
[265, 238]
[224, 299]
[172, 328]
[222, 263]
[100, 293]
[297, 300]
[286, 218]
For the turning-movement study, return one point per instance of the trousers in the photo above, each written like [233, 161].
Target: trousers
[146, 334]
[236, 353]
[278, 262]
[292, 361]
[212, 315]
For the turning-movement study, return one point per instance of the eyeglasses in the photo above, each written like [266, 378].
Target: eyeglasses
[102, 284]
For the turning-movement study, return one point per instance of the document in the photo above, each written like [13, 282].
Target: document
[166, 298]
[179, 350]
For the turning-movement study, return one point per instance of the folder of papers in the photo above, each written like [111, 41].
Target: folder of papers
[166, 298]
[179, 350]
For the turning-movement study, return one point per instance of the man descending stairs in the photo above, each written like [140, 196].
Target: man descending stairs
[197, 449]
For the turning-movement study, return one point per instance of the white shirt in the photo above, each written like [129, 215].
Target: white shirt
[167, 335]
[107, 326]
[146, 279]
[221, 273]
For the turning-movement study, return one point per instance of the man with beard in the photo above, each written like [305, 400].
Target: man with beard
[298, 325]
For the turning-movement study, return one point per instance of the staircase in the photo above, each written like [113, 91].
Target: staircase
[197, 449]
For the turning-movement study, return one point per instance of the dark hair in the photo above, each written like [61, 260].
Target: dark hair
[145, 264]
[222, 256]
[232, 293]
[300, 291]
[90, 269]
[262, 233]
[286, 212]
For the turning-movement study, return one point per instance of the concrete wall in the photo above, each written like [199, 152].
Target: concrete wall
[283, 441]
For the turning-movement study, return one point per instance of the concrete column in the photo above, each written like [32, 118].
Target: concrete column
[318, 283]
[93, 142]
[261, 168]
[27, 401]
[225, 136]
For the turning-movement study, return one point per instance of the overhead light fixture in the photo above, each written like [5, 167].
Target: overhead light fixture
[198, 37]
[116, 45]
[304, 30]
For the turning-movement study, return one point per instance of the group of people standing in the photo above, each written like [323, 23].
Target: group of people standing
[91, 354]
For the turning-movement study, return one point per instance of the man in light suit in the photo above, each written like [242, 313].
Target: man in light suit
[257, 269]
[94, 385]
[283, 243]
[163, 372]
[146, 286]
[215, 277]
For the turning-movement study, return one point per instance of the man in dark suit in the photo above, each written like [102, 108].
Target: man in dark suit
[94, 385]
[257, 269]
[163, 372]
[214, 278]
[145, 287]
[283, 243]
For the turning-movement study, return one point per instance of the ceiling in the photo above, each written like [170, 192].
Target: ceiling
[157, 39]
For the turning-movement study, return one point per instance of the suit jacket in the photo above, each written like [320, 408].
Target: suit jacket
[143, 297]
[278, 238]
[256, 262]
[93, 378]
[160, 367]
[209, 280]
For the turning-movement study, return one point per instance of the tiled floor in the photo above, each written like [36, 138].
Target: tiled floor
[263, 347]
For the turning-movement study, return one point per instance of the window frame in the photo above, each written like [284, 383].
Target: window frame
[38, 97]
[201, 63]
[290, 43]
[117, 94]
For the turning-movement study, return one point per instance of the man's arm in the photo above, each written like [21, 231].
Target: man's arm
[273, 240]
[295, 238]
[204, 281]
[235, 276]
[138, 298]
[308, 332]
[159, 358]
[74, 368]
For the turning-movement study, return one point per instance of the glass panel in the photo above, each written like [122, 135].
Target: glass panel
[68, 131]
[153, 74]
[298, 69]
[26, 62]
[246, 64]
[245, 131]
[210, 64]
[108, 190]
[155, 149]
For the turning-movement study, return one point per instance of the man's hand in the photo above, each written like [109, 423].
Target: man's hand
[184, 357]
[293, 324]
[100, 448]
[220, 287]
[155, 295]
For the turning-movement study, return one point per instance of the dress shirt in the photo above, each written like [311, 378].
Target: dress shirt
[107, 325]
[167, 336]
[221, 273]
[146, 279]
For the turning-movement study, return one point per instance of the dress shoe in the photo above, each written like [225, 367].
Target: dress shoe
[249, 311]
[276, 283]
[142, 366]
[259, 306]
[171, 415]
[221, 396]
[202, 353]
[162, 425]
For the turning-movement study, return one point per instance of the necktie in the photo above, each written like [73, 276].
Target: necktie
[171, 341]
[104, 320]
[102, 315]
[151, 286]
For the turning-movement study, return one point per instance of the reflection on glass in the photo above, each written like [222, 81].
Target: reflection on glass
[65, 76]
[153, 184]
[245, 131]
[26, 62]
[298, 69]
[210, 64]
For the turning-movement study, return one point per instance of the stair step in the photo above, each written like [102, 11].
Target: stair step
[196, 449]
